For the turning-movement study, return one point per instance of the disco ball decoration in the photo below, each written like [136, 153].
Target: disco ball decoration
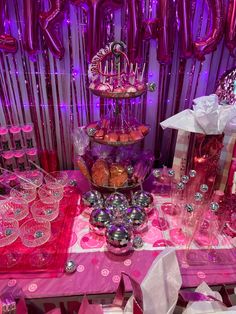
[137, 242]
[117, 203]
[142, 198]
[93, 198]
[180, 186]
[203, 188]
[130, 170]
[99, 219]
[189, 208]
[70, 267]
[156, 173]
[171, 173]
[137, 217]
[116, 200]
[119, 238]
[185, 179]
[226, 88]
[151, 86]
[214, 206]
[198, 196]
[192, 173]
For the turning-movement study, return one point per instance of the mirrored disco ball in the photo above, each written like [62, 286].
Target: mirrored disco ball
[142, 198]
[93, 198]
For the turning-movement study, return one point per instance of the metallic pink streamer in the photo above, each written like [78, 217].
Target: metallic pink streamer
[166, 30]
[231, 27]
[185, 29]
[31, 27]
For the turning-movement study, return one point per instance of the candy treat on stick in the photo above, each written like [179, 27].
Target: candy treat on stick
[111, 77]
[125, 67]
[142, 74]
[119, 77]
[136, 70]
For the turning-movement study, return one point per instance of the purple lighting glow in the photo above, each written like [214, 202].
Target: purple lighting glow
[76, 72]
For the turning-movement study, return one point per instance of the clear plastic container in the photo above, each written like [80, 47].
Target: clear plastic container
[45, 193]
[5, 139]
[9, 231]
[32, 176]
[34, 233]
[20, 158]
[28, 133]
[17, 140]
[32, 155]
[14, 208]
[55, 179]
[27, 193]
[42, 210]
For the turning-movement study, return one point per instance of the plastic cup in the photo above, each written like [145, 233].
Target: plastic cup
[34, 233]
[16, 208]
[55, 193]
[27, 193]
[56, 178]
[9, 231]
[32, 176]
[42, 211]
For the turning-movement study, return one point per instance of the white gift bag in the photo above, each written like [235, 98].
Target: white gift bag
[161, 285]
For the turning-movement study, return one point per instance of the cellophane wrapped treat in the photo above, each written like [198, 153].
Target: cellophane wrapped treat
[109, 166]
[81, 143]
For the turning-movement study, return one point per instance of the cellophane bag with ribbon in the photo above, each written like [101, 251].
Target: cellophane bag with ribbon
[200, 138]
[81, 147]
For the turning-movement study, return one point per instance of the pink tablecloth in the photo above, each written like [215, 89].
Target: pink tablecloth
[99, 271]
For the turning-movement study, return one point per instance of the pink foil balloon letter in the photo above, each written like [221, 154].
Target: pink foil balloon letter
[209, 43]
[48, 21]
[7, 42]
[31, 8]
[185, 28]
[96, 10]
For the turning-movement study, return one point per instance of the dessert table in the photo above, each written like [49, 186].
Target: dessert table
[98, 271]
